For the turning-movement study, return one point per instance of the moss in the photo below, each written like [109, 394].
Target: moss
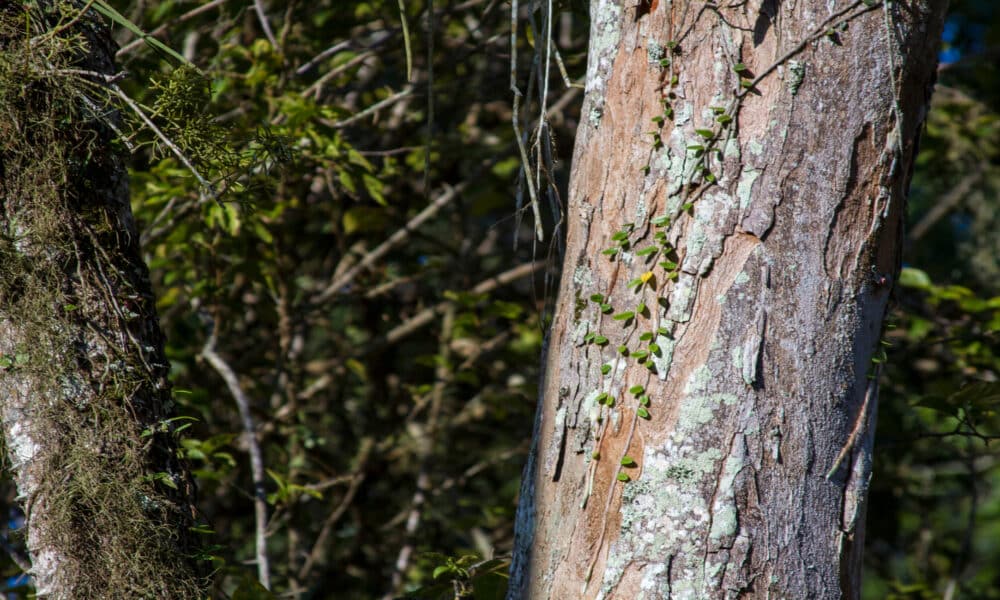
[83, 338]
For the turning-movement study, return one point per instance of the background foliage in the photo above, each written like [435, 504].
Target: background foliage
[392, 392]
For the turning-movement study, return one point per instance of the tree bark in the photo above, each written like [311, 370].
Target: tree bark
[783, 134]
[84, 398]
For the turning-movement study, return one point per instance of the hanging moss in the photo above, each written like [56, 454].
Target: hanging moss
[82, 355]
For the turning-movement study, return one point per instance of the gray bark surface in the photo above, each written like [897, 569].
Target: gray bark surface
[786, 262]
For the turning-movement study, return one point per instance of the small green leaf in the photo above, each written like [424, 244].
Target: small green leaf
[657, 119]
[660, 221]
[623, 477]
[696, 147]
[724, 119]
[634, 283]
[739, 67]
[619, 236]
[641, 309]
[644, 400]
[610, 252]
[624, 316]
[628, 461]
[746, 83]
[640, 354]
[646, 251]
[600, 340]
[645, 337]
[643, 413]
[440, 571]
[595, 455]
[589, 337]
[605, 369]
[602, 398]
[669, 265]
[597, 298]
[635, 390]
[605, 308]
[622, 349]
[655, 349]
[705, 133]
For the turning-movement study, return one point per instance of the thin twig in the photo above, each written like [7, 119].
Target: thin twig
[302, 70]
[356, 479]
[518, 134]
[256, 456]
[258, 6]
[950, 200]
[374, 108]
[394, 240]
[194, 12]
[861, 422]
[425, 449]
[427, 315]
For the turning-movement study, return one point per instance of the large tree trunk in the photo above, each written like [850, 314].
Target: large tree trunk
[783, 138]
[84, 397]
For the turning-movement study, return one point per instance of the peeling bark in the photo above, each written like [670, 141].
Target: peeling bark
[785, 266]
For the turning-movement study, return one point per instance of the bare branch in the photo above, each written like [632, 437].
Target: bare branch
[256, 456]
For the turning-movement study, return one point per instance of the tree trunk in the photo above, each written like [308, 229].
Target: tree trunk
[735, 212]
[84, 397]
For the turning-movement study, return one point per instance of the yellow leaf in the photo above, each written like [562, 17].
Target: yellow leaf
[645, 277]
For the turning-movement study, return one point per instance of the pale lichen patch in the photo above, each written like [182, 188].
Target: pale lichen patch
[744, 188]
[663, 360]
[583, 277]
[660, 513]
[682, 298]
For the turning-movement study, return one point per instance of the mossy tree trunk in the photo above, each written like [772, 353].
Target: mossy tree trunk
[84, 397]
[735, 213]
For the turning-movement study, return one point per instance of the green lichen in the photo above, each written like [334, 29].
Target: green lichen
[659, 514]
[664, 359]
[681, 299]
[745, 186]
[583, 277]
[654, 52]
[605, 31]
[796, 74]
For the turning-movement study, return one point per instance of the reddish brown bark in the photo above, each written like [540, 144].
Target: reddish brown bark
[807, 114]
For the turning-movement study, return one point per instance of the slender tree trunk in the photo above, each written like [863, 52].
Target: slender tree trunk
[735, 214]
[84, 397]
